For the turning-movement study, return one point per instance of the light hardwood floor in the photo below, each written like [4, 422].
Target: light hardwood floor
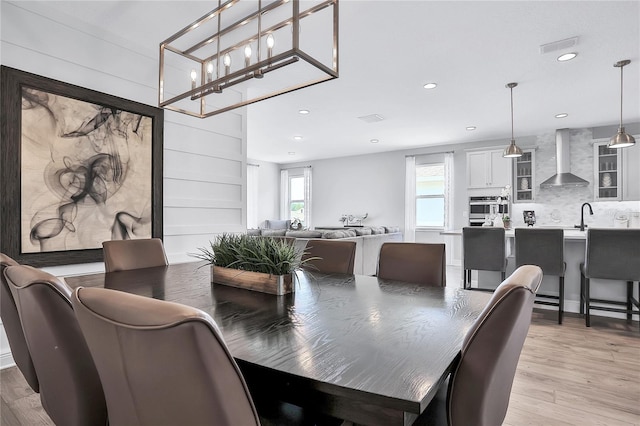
[568, 375]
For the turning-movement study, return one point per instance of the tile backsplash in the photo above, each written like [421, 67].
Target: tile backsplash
[561, 206]
[567, 214]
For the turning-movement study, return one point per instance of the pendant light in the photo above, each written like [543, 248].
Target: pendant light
[513, 150]
[621, 139]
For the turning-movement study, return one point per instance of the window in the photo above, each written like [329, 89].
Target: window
[295, 195]
[430, 195]
[296, 198]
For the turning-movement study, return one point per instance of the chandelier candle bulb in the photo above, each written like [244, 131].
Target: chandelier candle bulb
[226, 60]
[270, 43]
[209, 72]
[193, 79]
[247, 55]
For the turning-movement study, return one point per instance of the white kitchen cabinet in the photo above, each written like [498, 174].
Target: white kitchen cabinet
[488, 169]
[616, 172]
[524, 182]
[631, 171]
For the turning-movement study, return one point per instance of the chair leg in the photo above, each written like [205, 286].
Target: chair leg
[581, 293]
[504, 275]
[587, 302]
[638, 306]
[560, 299]
[629, 304]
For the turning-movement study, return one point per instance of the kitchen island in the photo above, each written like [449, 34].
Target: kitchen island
[574, 255]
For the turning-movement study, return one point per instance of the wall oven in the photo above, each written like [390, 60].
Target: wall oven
[480, 207]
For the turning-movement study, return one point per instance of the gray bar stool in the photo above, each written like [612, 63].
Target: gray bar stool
[483, 250]
[612, 254]
[544, 248]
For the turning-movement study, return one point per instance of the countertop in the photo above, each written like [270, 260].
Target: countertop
[569, 233]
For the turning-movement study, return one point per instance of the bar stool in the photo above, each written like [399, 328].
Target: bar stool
[544, 248]
[483, 250]
[611, 254]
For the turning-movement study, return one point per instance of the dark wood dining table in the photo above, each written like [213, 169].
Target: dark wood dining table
[356, 347]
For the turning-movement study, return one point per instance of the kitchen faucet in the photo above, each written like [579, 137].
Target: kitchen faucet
[582, 226]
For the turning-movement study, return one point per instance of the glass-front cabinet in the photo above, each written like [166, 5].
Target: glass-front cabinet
[607, 172]
[524, 177]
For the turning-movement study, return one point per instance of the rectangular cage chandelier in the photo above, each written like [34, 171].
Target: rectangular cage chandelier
[225, 59]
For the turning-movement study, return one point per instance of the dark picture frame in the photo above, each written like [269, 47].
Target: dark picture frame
[13, 81]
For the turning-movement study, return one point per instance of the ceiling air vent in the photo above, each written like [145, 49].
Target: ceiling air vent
[371, 118]
[558, 45]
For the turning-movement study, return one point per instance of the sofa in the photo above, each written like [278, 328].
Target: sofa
[368, 241]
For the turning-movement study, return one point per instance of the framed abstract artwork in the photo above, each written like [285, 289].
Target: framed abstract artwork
[78, 167]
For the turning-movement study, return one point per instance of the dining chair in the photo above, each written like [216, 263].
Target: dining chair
[70, 389]
[544, 248]
[613, 255]
[479, 387]
[13, 327]
[122, 255]
[483, 249]
[417, 263]
[329, 256]
[164, 363]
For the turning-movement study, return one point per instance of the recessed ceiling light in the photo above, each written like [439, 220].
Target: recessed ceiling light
[430, 86]
[298, 138]
[374, 140]
[304, 111]
[562, 115]
[470, 128]
[567, 56]
[291, 153]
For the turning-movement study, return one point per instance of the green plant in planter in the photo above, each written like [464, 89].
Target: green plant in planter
[251, 253]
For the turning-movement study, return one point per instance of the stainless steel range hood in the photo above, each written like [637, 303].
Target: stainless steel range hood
[563, 176]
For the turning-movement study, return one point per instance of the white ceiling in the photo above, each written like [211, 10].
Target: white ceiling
[389, 49]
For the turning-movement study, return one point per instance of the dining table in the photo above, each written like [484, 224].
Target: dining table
[355, 347]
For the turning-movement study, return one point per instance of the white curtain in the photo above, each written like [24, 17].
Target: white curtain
[252, 195]
[448, 194]
[284, 195]
[410, 200]
[307, 198]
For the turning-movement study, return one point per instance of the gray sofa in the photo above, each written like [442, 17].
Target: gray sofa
[368, 241]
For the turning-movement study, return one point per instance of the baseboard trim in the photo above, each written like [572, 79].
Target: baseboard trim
[6, 361]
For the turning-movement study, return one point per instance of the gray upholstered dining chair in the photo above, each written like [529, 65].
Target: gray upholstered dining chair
[417, 263]
[13, 328]
[163, 363]
[480, 385]
[543, 248]
[483, 249]
[329, 256]
[70, 389]
[122, 255]
[611, 254]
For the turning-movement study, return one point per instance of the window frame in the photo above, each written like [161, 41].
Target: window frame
[290, 199]
[432, 196]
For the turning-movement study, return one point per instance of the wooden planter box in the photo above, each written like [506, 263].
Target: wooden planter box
[256, 281]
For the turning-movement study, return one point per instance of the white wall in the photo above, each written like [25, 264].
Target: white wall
[204, 160]
[268, 191]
